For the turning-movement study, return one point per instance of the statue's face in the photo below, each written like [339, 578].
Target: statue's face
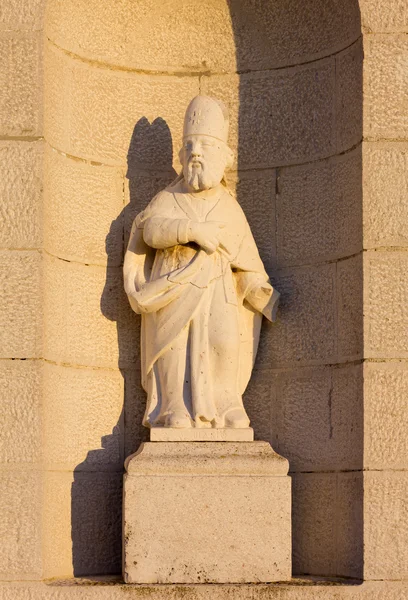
[204, 160]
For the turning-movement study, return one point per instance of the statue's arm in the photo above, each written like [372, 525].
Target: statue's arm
[163, 233]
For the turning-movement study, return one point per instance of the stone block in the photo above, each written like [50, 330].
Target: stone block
[20, 525]
[385, 176]
[83, 419]
[385, 415]
[350, 317]
[89, 320]
[319, 210]
[22, 14]
[106, 107]
[255, 192]
[386, 305]
[385, 525]
[275, 128]
[201, 513]
[384, 17]
[385, 84]
[260, 404]
[349, 96]
[226, 36]
[20, 298]
[305, 332]
[135, 405]
[20, 194]
[83, 210]
[20, 385]
[349, 540]
[319, 418]
[20, 84]
[82, 524]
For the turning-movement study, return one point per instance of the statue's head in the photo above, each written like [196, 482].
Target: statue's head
[205, 154]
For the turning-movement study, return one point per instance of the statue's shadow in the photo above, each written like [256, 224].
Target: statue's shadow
[96, 498]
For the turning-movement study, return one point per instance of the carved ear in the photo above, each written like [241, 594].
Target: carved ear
[230, 158]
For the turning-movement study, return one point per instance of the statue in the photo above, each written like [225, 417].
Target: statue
[193, 272]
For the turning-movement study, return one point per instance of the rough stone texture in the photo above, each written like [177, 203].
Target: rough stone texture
[319, 414]
[108, 588]
[88, 320]
[387, 17]
[217, 541]
[260, 403]
[134, 407]
[199, 434]
[386, 305]
[83, 422]
[104, 106]
[385, 525]
[305, 332]
[255, 193]
[278, 106]
[82, 530]
[20, 298]
[385, 415]
[327, 523]
[20, 194]
[22, 14]
[20, 83]
[350, 317]
[319, 210]
[20, 549]
[155, 36]
[83, 210]
[349, 96]
[385, 85]
[20, 402]
[385, 180]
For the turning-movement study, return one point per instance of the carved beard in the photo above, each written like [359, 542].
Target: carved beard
[199, 179]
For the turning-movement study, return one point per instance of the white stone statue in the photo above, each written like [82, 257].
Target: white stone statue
[193, 271]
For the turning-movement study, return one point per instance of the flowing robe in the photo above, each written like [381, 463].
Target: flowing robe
[204, 309]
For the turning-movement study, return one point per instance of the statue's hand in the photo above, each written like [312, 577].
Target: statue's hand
[207, 235]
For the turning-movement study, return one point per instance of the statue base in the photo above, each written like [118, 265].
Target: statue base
[201, 434]
[206, 512]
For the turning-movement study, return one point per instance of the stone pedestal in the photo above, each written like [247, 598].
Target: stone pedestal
[206, 512]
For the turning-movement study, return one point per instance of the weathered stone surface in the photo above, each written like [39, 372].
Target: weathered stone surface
[349, 545]
[278, 106]
[105, 106]
[171, 434]
[88, 319]
[386, 304]
[227, 36]
[83, 421]
[260, 404]
[385, 179]
[319, 210]
[350, 317]
[349, 96]
[82, 523]
[20, 321]
[22, 14]
[20, 525]
[217, 540]
[305, 332]
[20, 194]
[20, 84]
[385, 415]
[20, 385]
[135, 405]
[83, 210]
[319, 416]
[385, 84]
[255, 193]
[387, 17]
[385, 525]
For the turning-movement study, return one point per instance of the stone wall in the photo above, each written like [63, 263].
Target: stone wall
[328, 213]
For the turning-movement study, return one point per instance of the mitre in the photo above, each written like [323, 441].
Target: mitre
[206, 116]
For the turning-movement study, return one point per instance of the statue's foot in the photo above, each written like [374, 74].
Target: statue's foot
[178, 420]
[237, 419]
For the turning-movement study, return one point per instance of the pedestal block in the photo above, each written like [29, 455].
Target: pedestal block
[206, 512]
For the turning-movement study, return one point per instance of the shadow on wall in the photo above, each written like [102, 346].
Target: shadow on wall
[96, 499]
[299, 183]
